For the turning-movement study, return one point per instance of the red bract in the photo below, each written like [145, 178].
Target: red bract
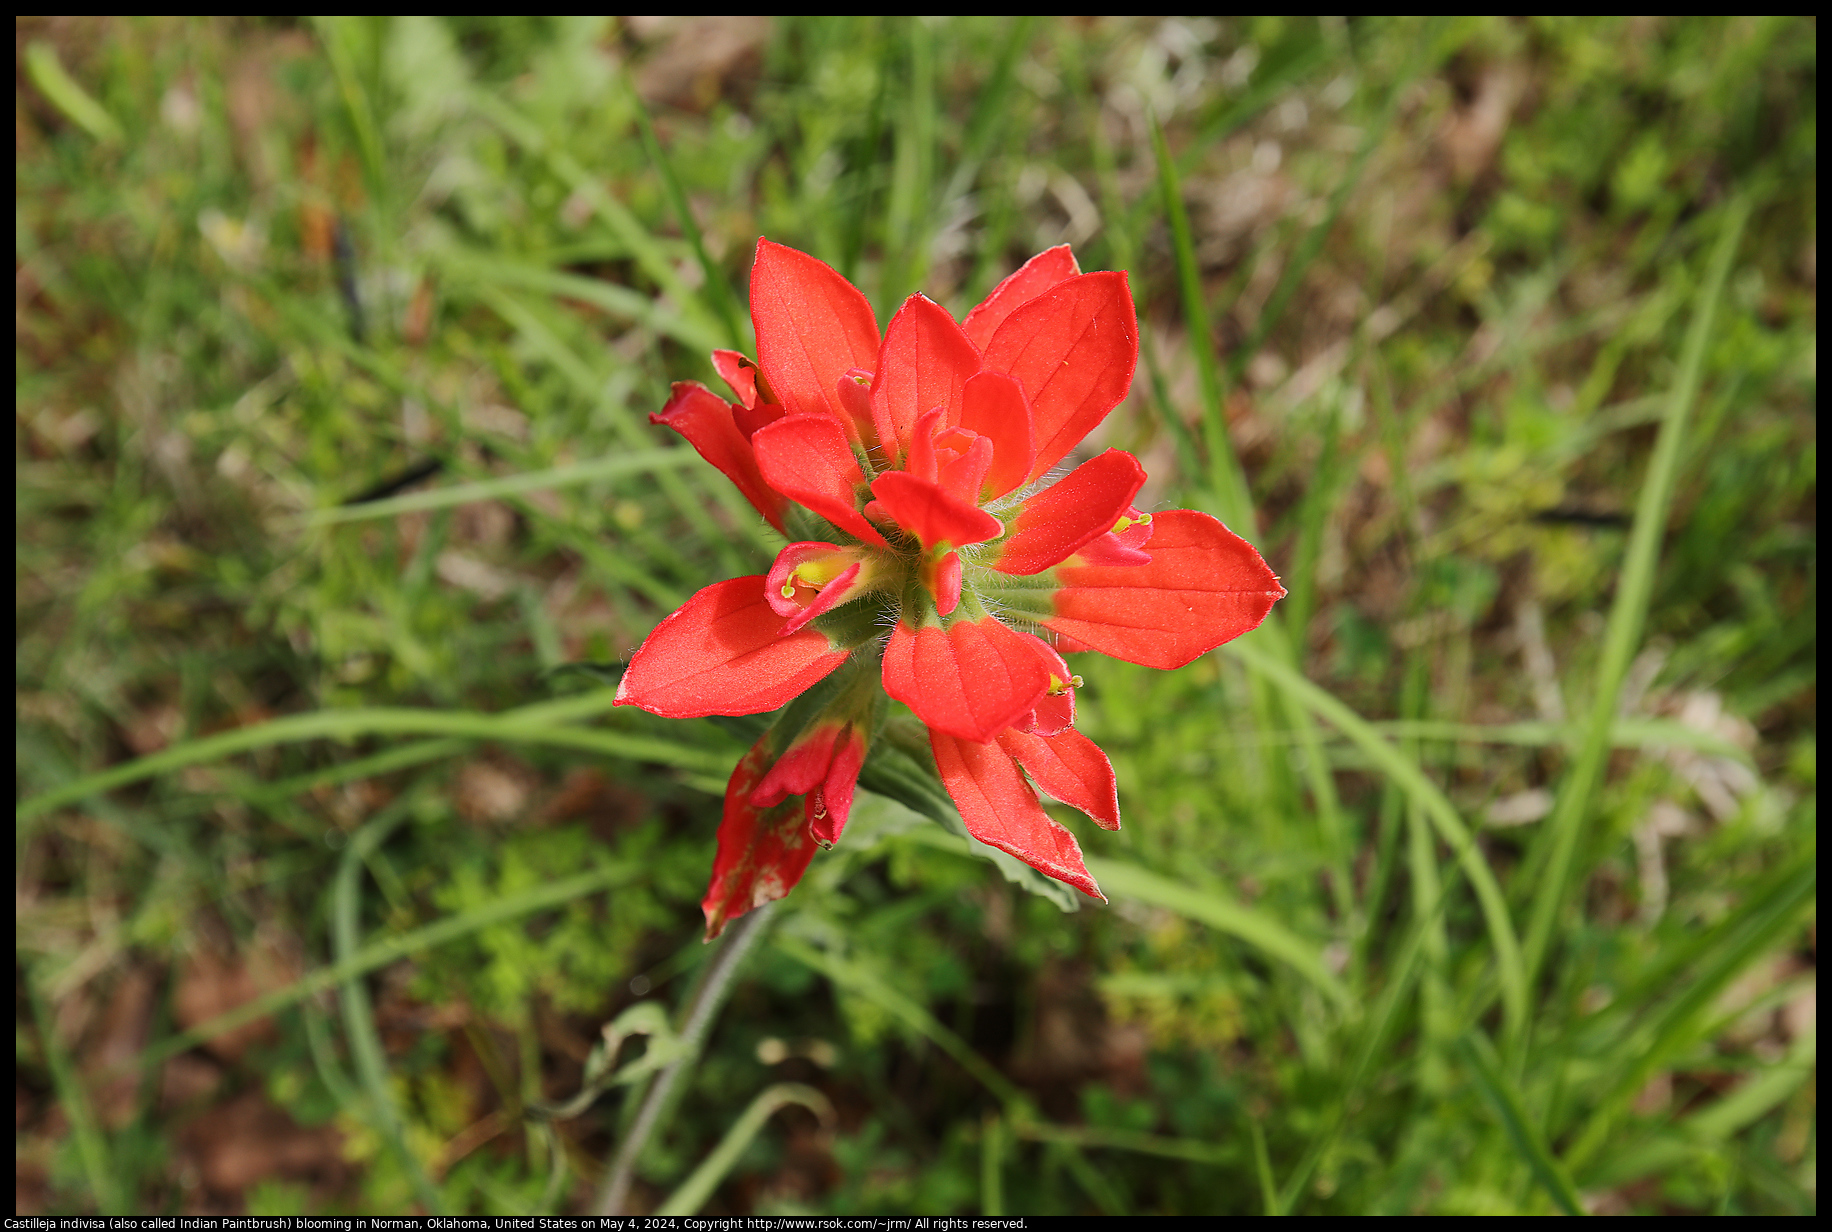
[932, 555]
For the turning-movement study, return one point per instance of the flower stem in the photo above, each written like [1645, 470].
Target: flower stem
[737, 940]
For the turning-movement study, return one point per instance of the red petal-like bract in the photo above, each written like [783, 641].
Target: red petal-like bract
[1034, 277]
[1075, 510]
[705, 419]
[1002, 811]
[1055, 710]
[807, 459]
[1074, 349]
[830, 803]
[924, 364]
[971, 680]
[993, 405]
[944, 579]
[1072, 768]
[735, 370]
[802, 766]
[720, 653]
[932, 515]
[762, 853]
[1054, 714]
[812, 325]
[1204, 586]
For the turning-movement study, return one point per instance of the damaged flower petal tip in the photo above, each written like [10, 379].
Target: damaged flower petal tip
[912, 466]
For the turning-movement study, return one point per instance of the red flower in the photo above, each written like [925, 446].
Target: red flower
[918, 461]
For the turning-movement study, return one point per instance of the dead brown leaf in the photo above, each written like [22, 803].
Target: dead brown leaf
[700, 57]
[119, 1035]
[210, 984]
[249, 1139]
[489, 792]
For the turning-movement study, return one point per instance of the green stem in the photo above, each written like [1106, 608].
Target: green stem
[1628, 615]
[733, 946]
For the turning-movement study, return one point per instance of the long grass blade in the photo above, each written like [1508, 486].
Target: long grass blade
[697, 1188]
[718, 287]
[1097, 1137]
[1739, 940]
[545, 339]
[334, 33]
[46, 71]
[1262, 1167]
[378, 954]
[529, 725]
[1229, 485]
[1527, 1140]
[359, 1017]
[642, 462]
[467, 270]
[992, 1166]
[1234, 502]
[92, 1151]
[1705, 1133]
[1406, 775]
[861, 982]
[1629, 612]
[650, 254]
[1121, 880]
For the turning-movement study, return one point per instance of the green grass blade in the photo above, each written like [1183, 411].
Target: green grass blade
[1121, 880]
[908, 220]
[1527, 1140]
[61, 90]
[642, 462]
[528, 725]
[91, 1145]
[1281, 77]
[1755, 1097]
[1645, 734]
[650, 254]
[992, 1166]
[859, 981]
[697, 1188]
[1738, 941]
[333, 35]
[991, 111]
[1379, 1026]
[468, 270]
[1705, 1132]
[1406, 774]
[1262, 1167]
[541, 335]
[359, 1019]
[1629, 612]
[1096, 1137]
[718, 287]
[1233, 502]
[377, 954]
[401, 757]
[1436, 1026]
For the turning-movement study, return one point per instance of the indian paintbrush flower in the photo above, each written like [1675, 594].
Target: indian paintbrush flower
[938, 560]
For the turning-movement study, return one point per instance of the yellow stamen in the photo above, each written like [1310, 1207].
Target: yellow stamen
[1144, 519]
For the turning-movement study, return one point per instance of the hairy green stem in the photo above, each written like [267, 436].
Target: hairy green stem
[737, 941]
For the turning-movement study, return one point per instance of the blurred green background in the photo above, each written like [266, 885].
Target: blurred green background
[1480, 880]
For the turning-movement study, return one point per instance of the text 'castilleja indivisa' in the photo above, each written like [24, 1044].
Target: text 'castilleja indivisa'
[931, 554]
